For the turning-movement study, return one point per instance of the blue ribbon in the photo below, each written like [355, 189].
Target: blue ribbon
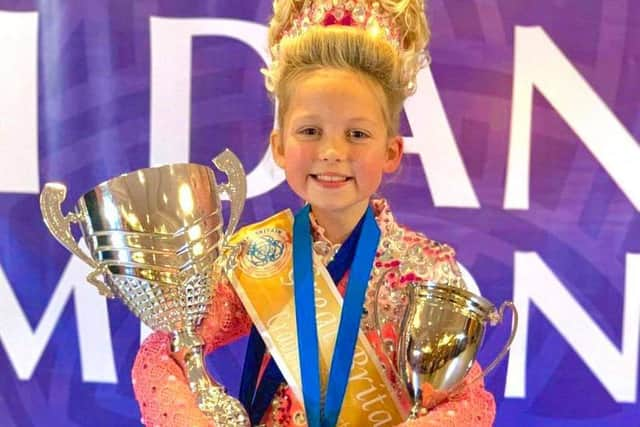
[349, 319]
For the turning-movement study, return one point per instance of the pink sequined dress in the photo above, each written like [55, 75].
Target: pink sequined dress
[162, 390]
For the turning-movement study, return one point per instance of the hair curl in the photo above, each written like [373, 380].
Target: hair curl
[350, 48]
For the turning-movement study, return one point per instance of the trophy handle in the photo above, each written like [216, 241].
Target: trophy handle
[51, 198]
[495, 318]
[236, 188]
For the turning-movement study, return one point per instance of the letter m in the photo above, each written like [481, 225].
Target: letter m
[24, 346]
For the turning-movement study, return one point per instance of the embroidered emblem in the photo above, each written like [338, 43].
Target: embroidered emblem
[266, 253]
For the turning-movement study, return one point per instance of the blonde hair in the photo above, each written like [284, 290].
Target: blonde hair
[350, 48]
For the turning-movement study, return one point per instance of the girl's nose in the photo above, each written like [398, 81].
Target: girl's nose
[333, 148]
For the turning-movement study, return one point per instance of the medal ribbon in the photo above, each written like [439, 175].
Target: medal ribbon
[307, 330]
[259, 399]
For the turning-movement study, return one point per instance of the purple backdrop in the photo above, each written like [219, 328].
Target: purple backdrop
[540, 197]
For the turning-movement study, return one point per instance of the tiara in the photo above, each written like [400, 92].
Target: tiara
[350, 13]
[366, 15]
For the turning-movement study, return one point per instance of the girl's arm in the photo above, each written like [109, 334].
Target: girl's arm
[159, 384]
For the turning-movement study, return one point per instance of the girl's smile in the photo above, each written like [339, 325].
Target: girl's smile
[330, 180]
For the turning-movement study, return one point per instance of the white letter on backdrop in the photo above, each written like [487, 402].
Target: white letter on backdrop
[19, 102]
[617, 370]
[539, 63]
[171, 90]
[24, 346]
[433, 141]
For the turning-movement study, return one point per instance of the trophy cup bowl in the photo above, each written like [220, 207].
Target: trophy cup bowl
[156, 242]
[440, 335]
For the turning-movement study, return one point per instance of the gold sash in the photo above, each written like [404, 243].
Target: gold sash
[263, 279]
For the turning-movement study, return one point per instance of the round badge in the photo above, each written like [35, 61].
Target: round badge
[266, 253]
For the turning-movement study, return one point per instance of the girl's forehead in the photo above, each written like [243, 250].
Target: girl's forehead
[338, 91]
[330, 75]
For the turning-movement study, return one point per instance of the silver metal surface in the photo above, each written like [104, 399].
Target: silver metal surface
[441, 333]
[156, 242]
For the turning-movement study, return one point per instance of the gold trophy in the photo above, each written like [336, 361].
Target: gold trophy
[441, 332]
[156, 242]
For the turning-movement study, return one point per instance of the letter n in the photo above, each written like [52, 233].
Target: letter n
[539, 63]
[617, 370]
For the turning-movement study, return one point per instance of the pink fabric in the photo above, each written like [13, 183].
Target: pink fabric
[473, 406]
[159, 384]
[162, 390]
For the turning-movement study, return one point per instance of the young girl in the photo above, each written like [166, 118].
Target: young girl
[340, 74]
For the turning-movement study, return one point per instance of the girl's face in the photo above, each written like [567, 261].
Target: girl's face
[333, 145]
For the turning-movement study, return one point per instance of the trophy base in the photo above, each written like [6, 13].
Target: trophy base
[223, 409]
[417, 411]
[212, 399]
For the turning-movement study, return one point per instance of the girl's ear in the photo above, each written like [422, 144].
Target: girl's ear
[395, 149]
[277, 147]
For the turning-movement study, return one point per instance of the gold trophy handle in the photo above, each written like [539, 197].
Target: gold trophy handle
[495, 318]
[51, 198]
[236, 188]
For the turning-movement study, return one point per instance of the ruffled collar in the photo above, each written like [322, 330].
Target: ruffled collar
[322, 246]
[325, 249]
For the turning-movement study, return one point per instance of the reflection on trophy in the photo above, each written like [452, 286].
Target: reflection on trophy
[440, 335]
[156, 242]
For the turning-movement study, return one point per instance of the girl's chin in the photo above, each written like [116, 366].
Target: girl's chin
[334, 207]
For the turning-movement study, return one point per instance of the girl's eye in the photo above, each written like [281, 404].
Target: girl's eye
[310, 131]
[358, 134]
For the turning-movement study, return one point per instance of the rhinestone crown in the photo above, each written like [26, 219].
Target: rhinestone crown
[370, 17]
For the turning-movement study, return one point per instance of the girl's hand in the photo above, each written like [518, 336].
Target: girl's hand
[160, 386]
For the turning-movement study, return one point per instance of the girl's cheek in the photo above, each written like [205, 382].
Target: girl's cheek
[301, 153]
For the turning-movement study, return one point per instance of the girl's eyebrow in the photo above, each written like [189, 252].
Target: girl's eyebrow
[361, 119]
[309, 116]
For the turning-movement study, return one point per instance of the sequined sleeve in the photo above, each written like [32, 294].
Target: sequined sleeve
[446, 268]
[159, 384]
[423, 258]
[472, 407]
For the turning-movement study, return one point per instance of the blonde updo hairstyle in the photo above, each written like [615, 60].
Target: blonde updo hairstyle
[348, 48]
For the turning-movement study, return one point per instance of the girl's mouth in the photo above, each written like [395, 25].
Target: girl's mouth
[330, 181]
[330, 178]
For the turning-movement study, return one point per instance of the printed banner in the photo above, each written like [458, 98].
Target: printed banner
[521, 152]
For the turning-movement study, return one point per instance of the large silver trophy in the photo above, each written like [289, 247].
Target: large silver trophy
[441, 332]
[156, 241]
